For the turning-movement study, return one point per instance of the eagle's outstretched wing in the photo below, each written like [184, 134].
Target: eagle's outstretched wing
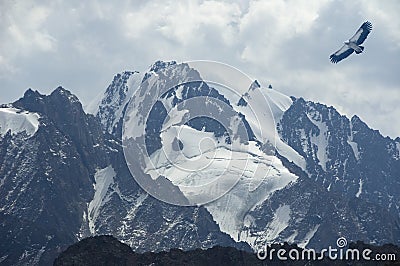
[341, 54]
[362, 33]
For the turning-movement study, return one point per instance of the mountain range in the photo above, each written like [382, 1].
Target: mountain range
[64, 174]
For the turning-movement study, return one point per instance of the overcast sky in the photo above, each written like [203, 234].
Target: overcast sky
[81, 45]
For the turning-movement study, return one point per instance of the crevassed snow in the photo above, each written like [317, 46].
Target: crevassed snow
[18, 121]
[104, 178]
[321, 140]
[308, 237]
[360, 183]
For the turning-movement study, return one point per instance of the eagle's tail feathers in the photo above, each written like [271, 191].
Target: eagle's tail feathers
[362, 49]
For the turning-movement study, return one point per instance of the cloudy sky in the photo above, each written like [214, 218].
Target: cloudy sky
[81, 45]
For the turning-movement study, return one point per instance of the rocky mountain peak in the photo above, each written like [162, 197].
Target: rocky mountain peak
[110, 108]
[64, 110]
[160, 65]
[59, 101]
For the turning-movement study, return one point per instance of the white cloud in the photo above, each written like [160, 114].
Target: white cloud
[25, 30]
[81, 45]
[385, 16]
[268, 25]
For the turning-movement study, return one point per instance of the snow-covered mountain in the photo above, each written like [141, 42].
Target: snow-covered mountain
[321, 157]
[313, 176]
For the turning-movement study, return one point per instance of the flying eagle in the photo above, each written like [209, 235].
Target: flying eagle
[353, 44]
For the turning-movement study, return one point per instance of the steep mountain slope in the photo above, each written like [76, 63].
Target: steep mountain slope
[46, 176]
